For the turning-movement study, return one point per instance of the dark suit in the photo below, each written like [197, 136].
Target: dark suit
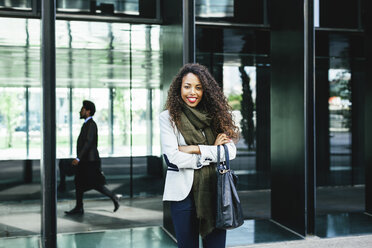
[88, 172]
[87, 142]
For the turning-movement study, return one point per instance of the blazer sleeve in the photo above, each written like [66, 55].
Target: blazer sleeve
[169, 145]
[91, 133]
[209, 153]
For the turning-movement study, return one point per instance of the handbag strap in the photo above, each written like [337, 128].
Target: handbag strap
[227, 157]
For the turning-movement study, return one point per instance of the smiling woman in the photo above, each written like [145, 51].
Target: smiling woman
[197, 119]
[191, 90]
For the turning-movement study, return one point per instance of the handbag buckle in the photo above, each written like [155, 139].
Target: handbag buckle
[224, 171]
[223, 168]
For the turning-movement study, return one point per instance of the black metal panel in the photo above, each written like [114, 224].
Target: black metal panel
[130, 114]
[322, 111]
[291, 114]
[48, 161]
[27, 113]
[338, 13]
[171, 42]
[263, 118]
[249, 11]
[27, 171]
[111, 120]
[322, 131]
[188, 31]
[368, 106]
[310, 124]
[206, 50]
[147, 8]
[70, 118]
[357, 126]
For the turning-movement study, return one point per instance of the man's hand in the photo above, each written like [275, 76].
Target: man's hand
[75, 162]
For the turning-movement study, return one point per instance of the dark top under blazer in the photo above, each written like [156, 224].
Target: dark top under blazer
[87, 142]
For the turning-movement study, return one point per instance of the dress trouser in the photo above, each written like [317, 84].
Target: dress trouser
[101, 188]
[187, 228]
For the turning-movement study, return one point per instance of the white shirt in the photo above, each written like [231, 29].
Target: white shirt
[181, 166]
[87, 119]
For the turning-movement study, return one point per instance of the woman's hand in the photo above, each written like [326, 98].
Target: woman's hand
[189, 149]
[221, 139]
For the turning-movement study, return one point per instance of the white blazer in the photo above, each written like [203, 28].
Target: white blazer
[181, 166]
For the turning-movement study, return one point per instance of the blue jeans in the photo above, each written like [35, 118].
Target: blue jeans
[187, 228]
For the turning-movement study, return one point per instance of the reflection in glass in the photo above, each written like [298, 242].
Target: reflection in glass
[214, 8]
[139, 105]
[337, 224]
[12, 122]
[93, 61]
[155, 134]
[122, 121]
[316, 13]
[240, 90]
[35, 123]
[129, 7]
[62, 122]
[340, 122]
[343, 224]
[16, 4]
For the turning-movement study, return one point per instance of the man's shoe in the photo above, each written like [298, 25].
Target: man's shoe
[75, 211]
[116, 202]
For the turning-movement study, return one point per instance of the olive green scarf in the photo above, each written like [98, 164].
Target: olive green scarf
[193, 123]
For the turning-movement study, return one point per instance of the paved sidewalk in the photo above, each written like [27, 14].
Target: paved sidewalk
[20, 220]
[364, 241]
[23, 218]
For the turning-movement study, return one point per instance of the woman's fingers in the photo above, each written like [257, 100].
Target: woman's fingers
[222, 142]
[221, 139]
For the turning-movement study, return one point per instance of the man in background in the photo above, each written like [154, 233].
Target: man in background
[88, 172]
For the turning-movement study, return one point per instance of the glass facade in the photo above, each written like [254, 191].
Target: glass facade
[120, 67]
[340, 106]
[232, 11]
[129, 7]
[220, 8]
[340, 78]
[18, 4]
[93, 62]
[239, 59]
[117, 66]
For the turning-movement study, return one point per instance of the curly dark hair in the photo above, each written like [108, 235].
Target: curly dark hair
[213, 101]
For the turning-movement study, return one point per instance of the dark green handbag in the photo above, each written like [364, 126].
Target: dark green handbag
[229, 210]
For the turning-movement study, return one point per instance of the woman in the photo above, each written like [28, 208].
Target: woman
[197, 119]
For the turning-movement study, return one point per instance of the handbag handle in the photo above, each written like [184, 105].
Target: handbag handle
[226, 166]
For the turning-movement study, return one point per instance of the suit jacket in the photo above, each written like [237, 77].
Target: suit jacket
[181, 166]
[87, 142]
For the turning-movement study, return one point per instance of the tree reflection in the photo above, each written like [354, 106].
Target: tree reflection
[247, 108]
[9, 111]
